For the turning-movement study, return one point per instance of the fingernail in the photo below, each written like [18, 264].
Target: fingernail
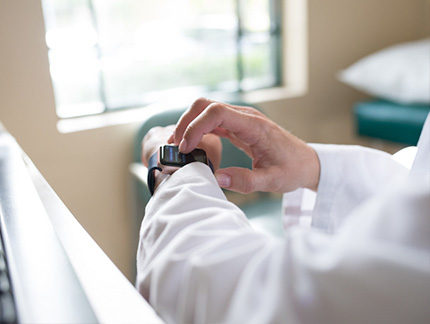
[183, 145]
[223, 180]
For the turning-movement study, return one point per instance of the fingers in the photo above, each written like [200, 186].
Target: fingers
[195, 109]
[219, 117]
[246, 181]
[236, 179]
[212, 145]
[198, 108]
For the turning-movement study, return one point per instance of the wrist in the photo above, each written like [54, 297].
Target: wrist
[159, 178]
[313, 170]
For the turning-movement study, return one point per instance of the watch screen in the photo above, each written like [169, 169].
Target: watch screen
[170, 155]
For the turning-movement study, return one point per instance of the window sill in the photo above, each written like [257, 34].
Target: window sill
[113, 118]
[141, 114]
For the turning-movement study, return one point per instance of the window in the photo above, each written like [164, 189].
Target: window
[112, 54]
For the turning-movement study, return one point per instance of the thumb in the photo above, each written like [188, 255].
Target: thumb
[237, 179]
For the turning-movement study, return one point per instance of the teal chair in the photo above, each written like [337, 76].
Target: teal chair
[263, 209]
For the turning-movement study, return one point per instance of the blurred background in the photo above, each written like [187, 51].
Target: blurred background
[66, 62]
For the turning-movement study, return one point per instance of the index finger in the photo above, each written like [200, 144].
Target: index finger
[189, 115]
[246, 127]
[196, 109]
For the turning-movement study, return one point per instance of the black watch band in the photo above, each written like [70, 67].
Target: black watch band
[152, 166]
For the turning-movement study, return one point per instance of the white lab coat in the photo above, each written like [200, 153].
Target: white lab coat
[366, 258]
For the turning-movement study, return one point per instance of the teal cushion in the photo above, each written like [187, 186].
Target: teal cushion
[390, 121]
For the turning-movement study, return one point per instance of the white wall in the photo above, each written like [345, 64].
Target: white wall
[89, 169]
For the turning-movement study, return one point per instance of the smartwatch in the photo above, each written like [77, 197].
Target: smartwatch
[168, 159]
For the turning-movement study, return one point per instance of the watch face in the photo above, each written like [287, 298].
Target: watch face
[171, 156]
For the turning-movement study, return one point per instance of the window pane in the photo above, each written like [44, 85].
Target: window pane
[256, 45]
[67, 15]
[161, 45]
[257, 62]
[255, 15]
[109, 54]
[74, 63]
[75, 76]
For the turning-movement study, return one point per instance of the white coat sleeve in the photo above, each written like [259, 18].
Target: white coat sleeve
[349, 176]
[199, 260]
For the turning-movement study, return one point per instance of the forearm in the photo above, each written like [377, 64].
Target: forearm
[189, 207]
[200, 261]
[194, 247]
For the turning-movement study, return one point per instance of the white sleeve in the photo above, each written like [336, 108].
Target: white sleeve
[200, 261]
[349, 176]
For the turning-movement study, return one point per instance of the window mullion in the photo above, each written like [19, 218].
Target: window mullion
[239, 53]
[275, 36]
[102, 87]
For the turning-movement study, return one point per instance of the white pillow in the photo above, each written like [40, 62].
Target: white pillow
[398, 73]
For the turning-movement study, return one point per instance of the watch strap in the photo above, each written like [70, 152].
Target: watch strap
[152, 166]
[211, 166]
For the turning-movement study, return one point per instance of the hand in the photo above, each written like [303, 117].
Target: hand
[281, 161]
[159, 136]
